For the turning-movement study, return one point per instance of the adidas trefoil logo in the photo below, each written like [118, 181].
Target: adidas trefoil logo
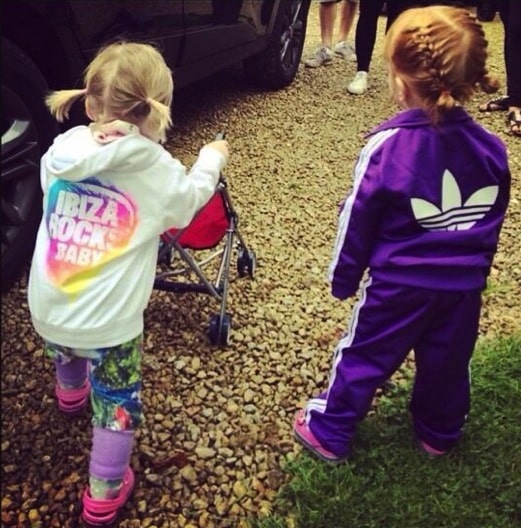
[454, 215]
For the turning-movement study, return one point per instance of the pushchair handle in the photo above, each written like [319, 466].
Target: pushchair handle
[219, 136]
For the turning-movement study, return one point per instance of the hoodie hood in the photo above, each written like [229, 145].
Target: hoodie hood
[83, 152]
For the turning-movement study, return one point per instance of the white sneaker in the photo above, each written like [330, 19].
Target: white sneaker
[359, 83]
[345, 50]
[322, 56]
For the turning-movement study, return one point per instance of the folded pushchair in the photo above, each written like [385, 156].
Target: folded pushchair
[207, 243]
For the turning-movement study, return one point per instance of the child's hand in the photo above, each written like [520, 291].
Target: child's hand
[222, 146]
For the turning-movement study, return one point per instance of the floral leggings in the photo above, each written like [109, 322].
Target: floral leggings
[115, 377]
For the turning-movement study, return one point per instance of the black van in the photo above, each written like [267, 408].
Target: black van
[46, 44]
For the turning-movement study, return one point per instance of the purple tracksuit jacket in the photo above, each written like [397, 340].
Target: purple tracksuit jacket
[426, 208]
[423, 218]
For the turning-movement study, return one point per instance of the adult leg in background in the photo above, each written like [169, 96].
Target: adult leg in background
[502, 103]
[327, 16]
[365, 37]
[513, 66]
[366, 28]
[348, 11]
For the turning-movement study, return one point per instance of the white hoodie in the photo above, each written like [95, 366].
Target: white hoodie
[107, 198]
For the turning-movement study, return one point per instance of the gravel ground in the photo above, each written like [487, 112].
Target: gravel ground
[218, 422]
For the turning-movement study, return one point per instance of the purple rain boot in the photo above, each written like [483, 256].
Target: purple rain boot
[72, 387]
[111, 479]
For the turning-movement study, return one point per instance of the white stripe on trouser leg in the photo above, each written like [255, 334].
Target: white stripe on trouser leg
[348, 338]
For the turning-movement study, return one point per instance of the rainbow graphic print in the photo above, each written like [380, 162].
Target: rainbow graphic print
[88, 224]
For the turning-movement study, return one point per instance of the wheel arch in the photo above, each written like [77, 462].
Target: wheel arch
[40, 41]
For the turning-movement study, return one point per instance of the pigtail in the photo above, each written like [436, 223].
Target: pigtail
[438, 105]
[443, 104]
[128, 81]
[159, 117]
[60, 102]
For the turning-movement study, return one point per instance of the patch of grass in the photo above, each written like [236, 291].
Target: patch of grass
[390, 483]
[494, 287]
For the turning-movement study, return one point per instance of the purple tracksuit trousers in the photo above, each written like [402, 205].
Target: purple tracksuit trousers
[388, 322]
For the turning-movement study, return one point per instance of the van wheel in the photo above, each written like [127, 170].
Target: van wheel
[277, 66]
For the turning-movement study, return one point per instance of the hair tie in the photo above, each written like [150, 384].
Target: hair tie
[149, 100]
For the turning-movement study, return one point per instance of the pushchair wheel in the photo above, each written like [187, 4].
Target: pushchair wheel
[246, 263]
[219, 330]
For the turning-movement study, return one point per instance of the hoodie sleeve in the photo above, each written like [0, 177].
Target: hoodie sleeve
[188, 192]
[357, 224]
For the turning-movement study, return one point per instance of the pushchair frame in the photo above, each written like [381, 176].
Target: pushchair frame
[182, 261]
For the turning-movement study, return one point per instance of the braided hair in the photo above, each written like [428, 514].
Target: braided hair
[440, 53]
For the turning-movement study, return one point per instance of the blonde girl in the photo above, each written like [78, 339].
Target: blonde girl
[114, 91]
[110, 189]
[430, 192]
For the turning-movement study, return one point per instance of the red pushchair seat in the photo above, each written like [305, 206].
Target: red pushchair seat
[208, 227]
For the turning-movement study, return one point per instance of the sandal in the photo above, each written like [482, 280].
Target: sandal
[514, 123]
[104, 512]
[495, 105]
